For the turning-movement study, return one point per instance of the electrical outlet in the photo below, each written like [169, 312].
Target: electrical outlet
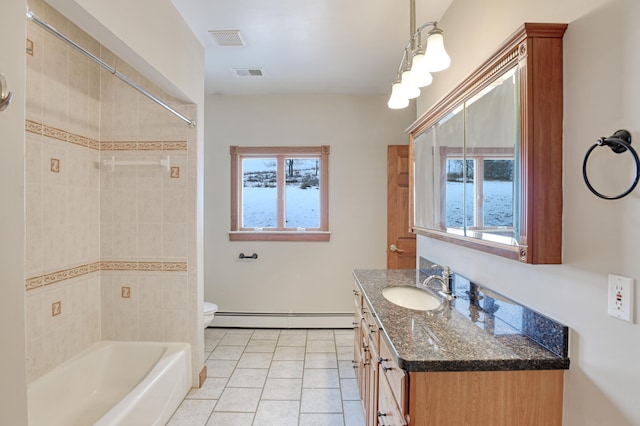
[621, 297]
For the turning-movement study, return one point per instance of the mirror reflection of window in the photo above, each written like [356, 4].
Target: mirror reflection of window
[460, 186]
[497, 190]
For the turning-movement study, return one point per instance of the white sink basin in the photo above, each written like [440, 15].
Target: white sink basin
[411, 298]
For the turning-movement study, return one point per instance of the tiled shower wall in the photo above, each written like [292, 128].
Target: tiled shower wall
[110, 254]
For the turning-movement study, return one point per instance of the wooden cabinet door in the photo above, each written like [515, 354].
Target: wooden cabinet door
[401, 243]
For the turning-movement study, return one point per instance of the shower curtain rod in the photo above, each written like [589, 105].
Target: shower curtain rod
[112, 70]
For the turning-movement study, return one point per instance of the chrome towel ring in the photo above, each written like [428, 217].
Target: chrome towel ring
[619, 142]
[5, 94]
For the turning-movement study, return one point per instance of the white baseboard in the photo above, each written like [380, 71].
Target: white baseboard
[270, 320]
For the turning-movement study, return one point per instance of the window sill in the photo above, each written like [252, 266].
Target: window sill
[279, 236]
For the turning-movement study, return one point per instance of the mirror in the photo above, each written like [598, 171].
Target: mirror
[487, 159]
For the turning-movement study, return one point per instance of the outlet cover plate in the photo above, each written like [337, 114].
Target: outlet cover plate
[620, 297]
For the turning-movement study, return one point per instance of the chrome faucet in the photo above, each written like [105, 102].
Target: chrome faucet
[445, 280]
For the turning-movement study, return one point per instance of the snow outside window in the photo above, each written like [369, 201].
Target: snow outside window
[279, 193]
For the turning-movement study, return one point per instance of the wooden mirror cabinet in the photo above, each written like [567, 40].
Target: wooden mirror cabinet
[508, 115]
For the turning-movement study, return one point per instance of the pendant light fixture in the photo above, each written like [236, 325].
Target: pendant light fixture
[417, 64]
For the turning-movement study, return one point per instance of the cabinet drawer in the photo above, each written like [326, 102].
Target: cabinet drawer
[388, 412]
[396, 377]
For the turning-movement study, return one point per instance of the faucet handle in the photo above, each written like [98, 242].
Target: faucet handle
[446, 272]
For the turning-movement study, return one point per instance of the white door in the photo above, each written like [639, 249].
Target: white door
[13, 394]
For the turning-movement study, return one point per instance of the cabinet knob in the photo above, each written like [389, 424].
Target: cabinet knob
[382, 364]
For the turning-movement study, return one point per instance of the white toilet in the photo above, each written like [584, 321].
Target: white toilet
[209, 309]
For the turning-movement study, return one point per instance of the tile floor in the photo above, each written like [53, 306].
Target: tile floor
[275, 377]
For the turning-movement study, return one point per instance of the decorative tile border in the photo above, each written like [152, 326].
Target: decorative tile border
[62, 135]
[143, 146]
[59, 134]
[103, 265]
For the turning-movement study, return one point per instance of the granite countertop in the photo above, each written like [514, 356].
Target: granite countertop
[479, 330]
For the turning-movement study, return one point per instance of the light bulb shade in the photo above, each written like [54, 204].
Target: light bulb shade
[436, 57]
[421, 77]
[408, 86]
[397, 100]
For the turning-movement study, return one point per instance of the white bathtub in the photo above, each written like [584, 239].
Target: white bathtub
[113, 383]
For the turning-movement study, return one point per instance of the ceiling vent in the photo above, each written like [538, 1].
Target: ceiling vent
[227, 37]
[248, 72]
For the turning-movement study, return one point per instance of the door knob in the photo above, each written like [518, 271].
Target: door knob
[395, 248]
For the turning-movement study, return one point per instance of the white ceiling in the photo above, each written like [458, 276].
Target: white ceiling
[305, 46]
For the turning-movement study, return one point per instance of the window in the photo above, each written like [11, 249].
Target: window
[279, 193]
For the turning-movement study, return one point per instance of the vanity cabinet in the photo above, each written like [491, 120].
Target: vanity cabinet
[392, 396]
[366, 357]
[381, 383]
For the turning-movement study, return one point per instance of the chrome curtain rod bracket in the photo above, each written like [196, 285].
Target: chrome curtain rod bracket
[33, 18]
[5, 94]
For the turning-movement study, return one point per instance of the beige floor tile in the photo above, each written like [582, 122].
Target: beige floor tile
[344, 353]
[216, 333]
[294, 331]
[220, 368]
[266, 334]
[244, 400]
[230, 419]
[353, 414]
[255, 360]
[319, 346]
[320, 335]
[227, 353]
[211, 343]
[235, 339]
[349, 389]
[320, 360]
[320, 401]
[277, 413]
[286, 369]
[211, 389]
[320, 378]
[344, 340]
[292, 339]
[192, 412]
[256, 345]
[289, 353]
[312, 419]
[248, 378]
[280, 377]
[346, 370]
[282, 389]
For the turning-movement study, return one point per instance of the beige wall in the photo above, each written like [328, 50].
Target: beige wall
[601, 95]
[116, 249]
[13, 394]
[305, 277]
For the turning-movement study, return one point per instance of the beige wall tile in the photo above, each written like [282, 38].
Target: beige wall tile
[175, 292]
[84, 213]
[174, 240]
[150, 241]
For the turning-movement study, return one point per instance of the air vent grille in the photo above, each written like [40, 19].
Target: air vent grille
[227, 37]
[248, 72]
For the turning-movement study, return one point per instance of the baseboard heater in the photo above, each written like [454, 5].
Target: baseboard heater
[283, 319]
